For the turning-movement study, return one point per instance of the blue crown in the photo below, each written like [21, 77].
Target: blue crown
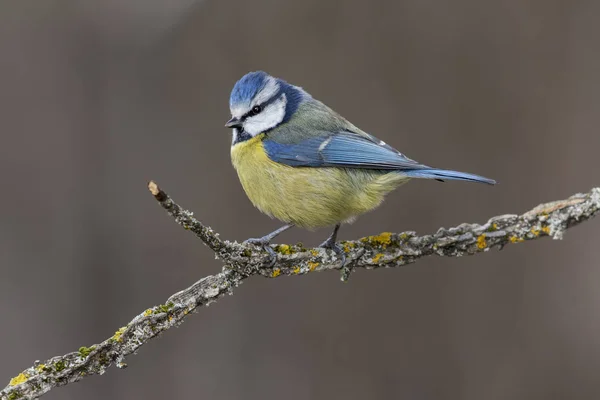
[247, 87]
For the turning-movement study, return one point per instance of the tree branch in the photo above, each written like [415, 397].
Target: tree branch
[243, 261]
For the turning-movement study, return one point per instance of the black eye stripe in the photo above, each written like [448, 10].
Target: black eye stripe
[255, 110]
[252, 112]
[264, 105]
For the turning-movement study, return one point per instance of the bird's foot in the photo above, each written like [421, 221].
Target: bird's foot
[264, 243]
[337, 249]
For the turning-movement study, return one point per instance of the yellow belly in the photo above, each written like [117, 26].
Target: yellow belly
[305, 196]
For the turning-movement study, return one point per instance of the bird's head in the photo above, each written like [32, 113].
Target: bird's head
[260, 102]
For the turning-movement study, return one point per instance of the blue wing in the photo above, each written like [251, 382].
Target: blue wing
[351, 150]
[344, 149]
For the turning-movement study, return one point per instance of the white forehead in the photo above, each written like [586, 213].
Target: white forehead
[270, 88]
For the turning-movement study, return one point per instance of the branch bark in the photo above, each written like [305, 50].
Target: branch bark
[243, 261]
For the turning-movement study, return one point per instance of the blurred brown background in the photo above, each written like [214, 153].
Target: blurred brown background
[97, 97]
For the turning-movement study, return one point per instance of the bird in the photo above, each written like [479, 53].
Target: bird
[304, 164]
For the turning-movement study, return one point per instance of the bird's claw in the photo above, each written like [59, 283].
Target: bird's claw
[337, 249]
[264, 244]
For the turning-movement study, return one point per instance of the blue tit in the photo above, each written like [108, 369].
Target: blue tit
[304, 164]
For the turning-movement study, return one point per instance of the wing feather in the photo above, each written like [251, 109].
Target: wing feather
[342, 149]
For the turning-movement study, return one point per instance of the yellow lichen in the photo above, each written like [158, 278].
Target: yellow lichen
[546, 229]
[377, 257]
[314, 252]
[118, 334]
[312, 265]
[383, 239]
[164, 308]
[86, 351]
[348, 246]
[515, 239]
[535, 232]
[18, 379]
[40, 368]
[60, 365]
[296, 270]
[284, 249]
[148, 312]
[276, 272]
[481, 243]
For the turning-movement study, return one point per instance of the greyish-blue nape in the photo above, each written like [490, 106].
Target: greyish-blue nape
[247, 87]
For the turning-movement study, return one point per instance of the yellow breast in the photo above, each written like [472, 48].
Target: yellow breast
[305, 196]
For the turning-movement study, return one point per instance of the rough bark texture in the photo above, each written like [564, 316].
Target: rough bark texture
[243, 261]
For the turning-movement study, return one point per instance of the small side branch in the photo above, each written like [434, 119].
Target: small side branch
[243, 261]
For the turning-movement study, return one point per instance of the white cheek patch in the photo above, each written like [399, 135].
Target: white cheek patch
[268, 118]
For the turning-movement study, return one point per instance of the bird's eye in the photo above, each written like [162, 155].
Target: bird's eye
[256, 110]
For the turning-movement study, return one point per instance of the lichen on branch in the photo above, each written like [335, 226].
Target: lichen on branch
[243, 261]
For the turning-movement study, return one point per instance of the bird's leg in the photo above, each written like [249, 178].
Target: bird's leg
[266, 240]
[331, 244]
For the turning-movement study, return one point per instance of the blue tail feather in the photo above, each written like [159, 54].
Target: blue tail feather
[441, 174]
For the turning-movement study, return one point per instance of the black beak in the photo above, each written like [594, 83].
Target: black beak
[233, 123]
